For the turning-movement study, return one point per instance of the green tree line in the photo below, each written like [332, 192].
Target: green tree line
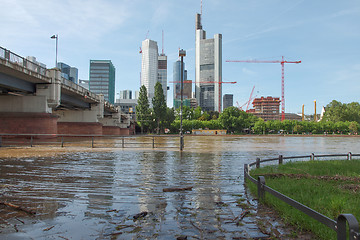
[339, 118]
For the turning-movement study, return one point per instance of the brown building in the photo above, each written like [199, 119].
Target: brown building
[266, 108]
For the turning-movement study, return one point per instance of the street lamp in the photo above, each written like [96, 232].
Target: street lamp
[56, 37]
[182, 54]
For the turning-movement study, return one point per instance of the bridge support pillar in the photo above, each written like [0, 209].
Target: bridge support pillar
[28, 123]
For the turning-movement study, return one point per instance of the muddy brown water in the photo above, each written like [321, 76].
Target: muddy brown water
[82, 193]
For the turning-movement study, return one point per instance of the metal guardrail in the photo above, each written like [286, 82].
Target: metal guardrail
[339, 226]
[92, 141]
[23, 62]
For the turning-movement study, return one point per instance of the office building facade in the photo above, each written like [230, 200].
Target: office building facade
[208, 69]
[153, 68]
[126, 94]
[68, 72]
[228, 100]
[102, 79]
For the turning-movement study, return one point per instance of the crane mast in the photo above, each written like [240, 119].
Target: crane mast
[282, 62]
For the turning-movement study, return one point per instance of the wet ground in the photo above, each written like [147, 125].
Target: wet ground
[119, 193]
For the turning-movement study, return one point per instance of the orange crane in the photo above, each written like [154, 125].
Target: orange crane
[282, 62]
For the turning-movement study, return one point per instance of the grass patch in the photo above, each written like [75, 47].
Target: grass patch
[329, 187]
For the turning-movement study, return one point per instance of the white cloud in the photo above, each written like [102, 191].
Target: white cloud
[248, 72]
[77, 18]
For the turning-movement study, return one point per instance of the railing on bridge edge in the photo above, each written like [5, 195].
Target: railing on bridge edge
[23, 62]
[31, 140]
[339, 226]
[29, 65]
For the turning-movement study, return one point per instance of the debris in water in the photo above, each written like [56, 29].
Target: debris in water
[29, 211]
[140, 215]
[49, 228]
[177, 189]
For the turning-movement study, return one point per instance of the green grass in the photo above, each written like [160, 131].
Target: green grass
[328, 197]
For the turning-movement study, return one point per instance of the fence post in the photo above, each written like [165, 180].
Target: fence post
[348, 157]
[31, 141]
[122, 143]
[260, 187]
[341, 227]
[246, 171]
[62, 141]
[0, 141]
[257, 162]
[153, 143]
[312, 156]
[280, 159]
[92, 142]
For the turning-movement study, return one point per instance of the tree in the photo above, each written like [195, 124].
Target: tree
[235, 120]
[142, 109]
[337, 111]
[197, 113]
[169, 118]
[159, 105]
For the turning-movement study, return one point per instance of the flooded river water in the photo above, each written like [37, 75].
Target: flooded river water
[96, 195]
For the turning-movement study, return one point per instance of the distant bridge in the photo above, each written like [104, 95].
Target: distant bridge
[37, 100]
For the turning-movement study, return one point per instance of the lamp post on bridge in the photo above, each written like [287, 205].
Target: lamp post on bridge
[182, 54]
[56, 37]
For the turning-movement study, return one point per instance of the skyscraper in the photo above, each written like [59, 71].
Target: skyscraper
[70, 73]
[208, 69]
[228, 100]
[102, 79]
[149, 66]
[153, 68]
[187, 85]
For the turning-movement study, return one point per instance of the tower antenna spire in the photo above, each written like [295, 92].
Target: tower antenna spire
[162, 47]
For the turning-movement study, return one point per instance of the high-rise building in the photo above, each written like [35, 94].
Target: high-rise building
[162, 73]
[153, 68]
[149, 66]
[126, 94]
[208, 69]
[68, 72]
[102, 79]
[228, 100]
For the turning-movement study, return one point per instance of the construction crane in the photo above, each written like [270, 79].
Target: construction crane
[247, 102]
[282, 62]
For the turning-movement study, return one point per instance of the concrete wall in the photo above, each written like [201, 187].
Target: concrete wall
[23, 104]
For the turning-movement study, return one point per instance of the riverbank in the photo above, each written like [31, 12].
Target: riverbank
[329, 187]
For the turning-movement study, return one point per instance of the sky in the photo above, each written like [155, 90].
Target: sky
[323, 34]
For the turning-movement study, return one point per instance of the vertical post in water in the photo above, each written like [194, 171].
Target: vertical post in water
[31, 141]
[153, 142]
[92, 142]
[0, 141]
[182, 54]
[62, 141]
[123, 143]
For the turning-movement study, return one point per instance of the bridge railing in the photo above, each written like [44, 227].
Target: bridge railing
[23, 62]
[80, 89]
[339, 225]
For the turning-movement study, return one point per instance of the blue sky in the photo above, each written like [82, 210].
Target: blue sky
[323, 34]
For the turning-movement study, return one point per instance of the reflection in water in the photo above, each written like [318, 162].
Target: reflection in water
[93, 195]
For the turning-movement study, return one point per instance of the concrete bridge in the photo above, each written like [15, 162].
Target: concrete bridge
[37, 100]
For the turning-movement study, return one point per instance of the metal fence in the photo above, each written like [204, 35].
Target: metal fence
[22, 62]
[91, 141]
[339, 225]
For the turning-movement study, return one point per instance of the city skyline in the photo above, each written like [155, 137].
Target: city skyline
[323, 35]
